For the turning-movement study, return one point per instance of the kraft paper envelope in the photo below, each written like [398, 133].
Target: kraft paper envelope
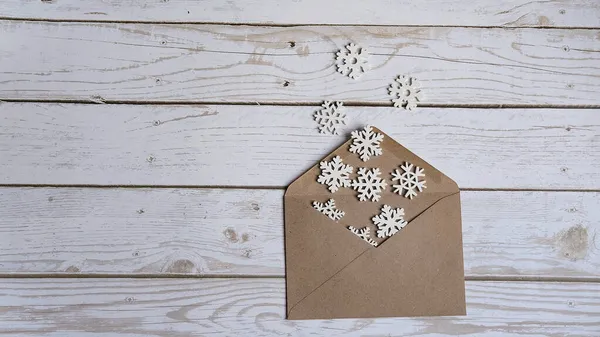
[332, 273]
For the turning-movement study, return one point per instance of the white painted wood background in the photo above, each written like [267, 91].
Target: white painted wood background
[145, 148]
[221, 63]
[512, 13]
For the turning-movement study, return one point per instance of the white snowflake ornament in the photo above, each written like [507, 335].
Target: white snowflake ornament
[405, 92]
[366, 143]
[335, 174]
[330, 117]
[389, 221]
[368, 184]
[409, 180]
[328, 209]
[353, 61]
[363, 233]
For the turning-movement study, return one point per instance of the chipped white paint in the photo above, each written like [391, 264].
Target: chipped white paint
[256, 307]
[169, 144]
[335, 174]
[240, 232]
[328, 209]
[366, 143]
[409, 180]
[514, 13]
[369, 184]
[223, 63]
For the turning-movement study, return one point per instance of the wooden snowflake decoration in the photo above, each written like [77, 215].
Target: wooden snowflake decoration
[389, 221]
[328, 208]
[369, 184]
[363, 233]
[353, 61]
[366, 143]
[405, 92]
[409, 180]
[335, 174]
[331, 117]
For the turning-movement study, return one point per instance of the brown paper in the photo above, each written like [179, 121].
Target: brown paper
[332, 273]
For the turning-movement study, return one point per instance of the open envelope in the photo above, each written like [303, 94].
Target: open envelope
[332, 273]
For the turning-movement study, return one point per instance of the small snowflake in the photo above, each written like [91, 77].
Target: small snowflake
[328, 209]
[366, 143]
[405, 92]
[368, 184]
[363, 233]
[409, 180]
[389, 221]
[352, 62]
[330, 117]
[335, 174]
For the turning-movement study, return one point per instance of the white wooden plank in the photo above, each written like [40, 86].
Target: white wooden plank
[256, 307]
[272, 145]
[202, 63]
[240, 232]
[515, 13]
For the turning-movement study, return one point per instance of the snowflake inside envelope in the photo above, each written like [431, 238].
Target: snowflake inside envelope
[373, 231]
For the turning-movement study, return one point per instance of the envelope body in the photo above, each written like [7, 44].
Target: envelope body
[332, 273]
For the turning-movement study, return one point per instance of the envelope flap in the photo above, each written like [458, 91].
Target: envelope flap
[419, 273]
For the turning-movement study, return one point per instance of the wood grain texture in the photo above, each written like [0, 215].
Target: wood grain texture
[273, 145]
[240, 232]
[515, 13]
[216, 63]
[256, 307]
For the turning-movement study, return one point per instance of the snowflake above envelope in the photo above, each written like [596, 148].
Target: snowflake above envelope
[397, 255]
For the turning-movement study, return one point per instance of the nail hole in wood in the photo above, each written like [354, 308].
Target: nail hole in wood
[150, 159]
[286, 83]
[568, 128]
[566, 48]
[292, 44]
[562, 11]
[163, 42]
[156, 123]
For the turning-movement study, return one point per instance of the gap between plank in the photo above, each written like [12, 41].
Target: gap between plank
[267, 24]
[250, 187]
[218, 276]
[100, 100]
